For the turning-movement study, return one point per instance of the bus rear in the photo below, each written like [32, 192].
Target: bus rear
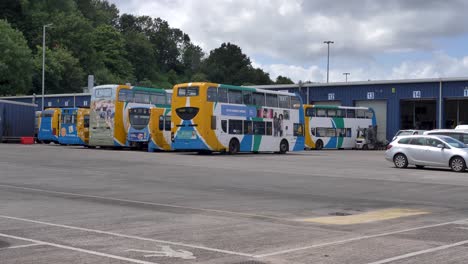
[49, 126]
[160, 127]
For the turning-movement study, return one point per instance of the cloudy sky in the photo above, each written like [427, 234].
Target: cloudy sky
[374, 40]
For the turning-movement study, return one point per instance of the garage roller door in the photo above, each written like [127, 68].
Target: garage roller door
[380, 109]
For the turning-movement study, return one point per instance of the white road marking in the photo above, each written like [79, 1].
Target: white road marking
[356, 239]
[91, 252]
[149, 203]
[128, 236]
[23, 246]
[464, 228]
[166, 251]
[416, 253]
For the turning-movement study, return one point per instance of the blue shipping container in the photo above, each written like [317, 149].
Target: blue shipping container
[16, 120]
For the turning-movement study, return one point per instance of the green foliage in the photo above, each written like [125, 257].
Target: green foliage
[283, 80]
[63, 73]
[15, 61]
[90, 37]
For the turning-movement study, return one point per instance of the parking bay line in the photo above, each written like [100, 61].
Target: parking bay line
[150, 203]
[22, 246]
[91, 252]
[416, 253]
[338, 242]
[128, 236]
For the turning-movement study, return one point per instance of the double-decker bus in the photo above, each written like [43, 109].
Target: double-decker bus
[335, 127]
[74, 126]
[108, 118]
[209, 117]
[142, 133]
[49, 126]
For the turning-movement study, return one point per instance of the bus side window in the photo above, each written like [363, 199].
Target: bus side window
[222, 95]
[269, 128]
[212, 94]
[295, 102]
[167, 123]
[321, 112]
[284, 101]
[298, 129]
[369, 114]
[235, 126]
[348, 132]
[259, 127]
[271, 100]
[234, 96]
[331, 112]
[312, 131]
[258, 99]
[350, 113]
[213, 122]
[340, 113]
[310, 111]
[248, 130]
[224, 125]
[360, 113]
[247, 97]
[161, 123]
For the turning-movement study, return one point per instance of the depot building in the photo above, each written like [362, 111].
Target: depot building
[398, 104]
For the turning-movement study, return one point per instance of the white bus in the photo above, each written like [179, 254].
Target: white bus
[335, 127]
[209, 117]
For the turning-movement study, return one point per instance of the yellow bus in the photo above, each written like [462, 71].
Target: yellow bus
[74, 127]
[209, 117]
[82, 125]
[49, 126]
[108, 116]
[160, 127]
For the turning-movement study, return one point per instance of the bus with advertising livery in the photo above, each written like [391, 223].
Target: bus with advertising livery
[209, 117]
[107, 116]
[49, 126]
[335, 127]
[74, 126]
[144, 119]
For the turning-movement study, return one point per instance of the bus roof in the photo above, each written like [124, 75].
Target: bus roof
[149, 89]
[338, 107]
[234, 87]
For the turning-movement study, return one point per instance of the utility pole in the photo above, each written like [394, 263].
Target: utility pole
[328, 42]
[43, 61]
[346, 75]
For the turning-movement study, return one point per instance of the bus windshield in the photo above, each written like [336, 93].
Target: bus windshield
[139, 117]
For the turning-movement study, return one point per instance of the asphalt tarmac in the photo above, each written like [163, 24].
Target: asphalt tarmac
[75, 205]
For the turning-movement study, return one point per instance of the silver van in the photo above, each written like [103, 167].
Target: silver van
[458, 134]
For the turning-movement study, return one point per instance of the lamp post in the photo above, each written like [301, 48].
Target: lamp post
[328, 42]
[346, 75]
[43, 61]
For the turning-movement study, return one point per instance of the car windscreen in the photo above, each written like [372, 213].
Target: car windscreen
[404, 133]
[453, 142]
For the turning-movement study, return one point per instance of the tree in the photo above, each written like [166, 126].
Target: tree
[227, 64]
[63, 72]
[283, 80]
[110, 52]
[100, 12]
[15, 61]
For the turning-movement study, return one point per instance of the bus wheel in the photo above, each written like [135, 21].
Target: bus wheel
[45, 142]
[319, 145]
[234, 146]
[284, 146]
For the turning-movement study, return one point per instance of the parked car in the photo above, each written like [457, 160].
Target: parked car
[407, 132]
[427, 150]
[458, 134]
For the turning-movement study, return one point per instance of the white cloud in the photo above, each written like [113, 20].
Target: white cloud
[292, 32]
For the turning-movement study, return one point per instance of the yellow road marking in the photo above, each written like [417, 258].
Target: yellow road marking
[367, 217]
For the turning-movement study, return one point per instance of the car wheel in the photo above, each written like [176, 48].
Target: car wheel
[400, 161]
[458, 164]
[419, 166]
[234, 146]
[319, 145]
[284, 146]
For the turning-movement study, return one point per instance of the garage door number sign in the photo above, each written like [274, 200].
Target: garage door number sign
[465, 92]
[370, 95]
[416, 94]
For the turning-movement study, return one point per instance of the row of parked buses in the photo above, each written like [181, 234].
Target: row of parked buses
[203, 117]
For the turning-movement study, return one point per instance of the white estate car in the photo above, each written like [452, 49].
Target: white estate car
[426, 150]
